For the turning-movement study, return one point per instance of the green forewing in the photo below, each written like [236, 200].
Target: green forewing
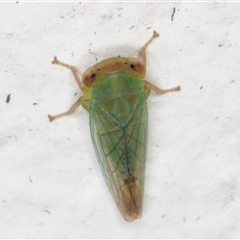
[118, 122]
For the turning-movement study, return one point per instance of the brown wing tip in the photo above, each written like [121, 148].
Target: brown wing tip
[131, 218]
[131, 200]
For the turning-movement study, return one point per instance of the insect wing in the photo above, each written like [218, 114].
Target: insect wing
[119, 133]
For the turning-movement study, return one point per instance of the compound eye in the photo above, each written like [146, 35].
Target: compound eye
[137, 66]
[89, 78]
[93, 76]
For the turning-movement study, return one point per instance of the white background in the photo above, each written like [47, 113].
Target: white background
[50, 182]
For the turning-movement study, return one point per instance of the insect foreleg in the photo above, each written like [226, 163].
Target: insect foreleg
[72, 68]
[143, 49]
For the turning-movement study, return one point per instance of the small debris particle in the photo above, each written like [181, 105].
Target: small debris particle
[149, 27]
[95, 54]
[132, 27]
[174, 9]
[220, 45]
[8, 98]
[35, 103]
[201, 87]
[75, 94]
[47, 211]
[163, 215]
[30, 179]
[184, 219]
[198, 218]
[41, 224]
[13, 137]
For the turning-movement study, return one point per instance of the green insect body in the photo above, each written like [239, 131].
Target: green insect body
[114, 94]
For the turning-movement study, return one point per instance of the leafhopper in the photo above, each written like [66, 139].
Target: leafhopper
[115, 93]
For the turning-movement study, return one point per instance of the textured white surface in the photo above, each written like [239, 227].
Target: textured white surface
[50, 182]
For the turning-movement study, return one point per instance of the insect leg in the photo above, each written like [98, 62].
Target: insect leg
[144, 59]
[158, 90]
[143, 49]
[72, 68]
[69, 112]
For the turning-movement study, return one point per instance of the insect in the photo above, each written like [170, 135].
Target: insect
[114, 94]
